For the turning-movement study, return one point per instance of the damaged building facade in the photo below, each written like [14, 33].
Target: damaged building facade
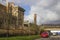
[13, 19]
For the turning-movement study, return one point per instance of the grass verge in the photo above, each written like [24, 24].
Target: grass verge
[21, 37]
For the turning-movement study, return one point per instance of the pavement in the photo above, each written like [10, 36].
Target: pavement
[50, 38]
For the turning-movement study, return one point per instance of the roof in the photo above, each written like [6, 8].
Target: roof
[20, 8]
[2, 7]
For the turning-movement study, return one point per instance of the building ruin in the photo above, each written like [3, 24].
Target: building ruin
[13, 19]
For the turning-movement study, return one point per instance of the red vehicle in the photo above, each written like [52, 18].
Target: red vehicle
[44, 34]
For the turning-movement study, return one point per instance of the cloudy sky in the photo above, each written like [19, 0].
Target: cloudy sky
[46, 10]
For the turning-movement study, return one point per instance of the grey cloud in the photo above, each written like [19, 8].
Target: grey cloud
[46, 10]
[43, 8]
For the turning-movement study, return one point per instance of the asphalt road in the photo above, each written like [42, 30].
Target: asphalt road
[50, 38]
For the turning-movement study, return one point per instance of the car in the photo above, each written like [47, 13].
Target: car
[58, 33]
[54, 33]
[44, 34]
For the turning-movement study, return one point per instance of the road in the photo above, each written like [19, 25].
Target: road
[50, 38]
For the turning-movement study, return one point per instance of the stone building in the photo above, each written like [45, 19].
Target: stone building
[14, 17]
[51, 26]
[3, 16]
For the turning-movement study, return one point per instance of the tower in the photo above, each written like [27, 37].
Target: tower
[35, 24]
[35, 16]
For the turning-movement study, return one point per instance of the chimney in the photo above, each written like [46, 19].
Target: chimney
[35, 16]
